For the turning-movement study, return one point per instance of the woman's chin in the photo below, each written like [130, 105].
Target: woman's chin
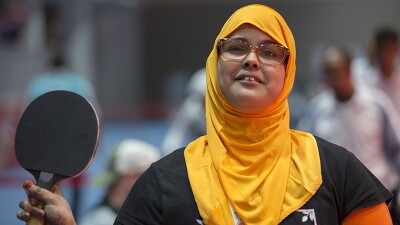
[250, 105]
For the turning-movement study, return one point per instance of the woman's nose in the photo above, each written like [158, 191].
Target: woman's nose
[251, 61]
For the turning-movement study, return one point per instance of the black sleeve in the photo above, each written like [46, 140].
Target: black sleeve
[161, 196]
[351, 184]
[361, 189]
[143, 204]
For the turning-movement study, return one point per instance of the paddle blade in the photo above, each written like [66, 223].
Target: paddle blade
[58, 134]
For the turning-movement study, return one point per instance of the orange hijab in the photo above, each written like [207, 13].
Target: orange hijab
[252, 162]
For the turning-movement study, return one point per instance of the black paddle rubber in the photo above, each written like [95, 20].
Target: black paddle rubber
[57, 137]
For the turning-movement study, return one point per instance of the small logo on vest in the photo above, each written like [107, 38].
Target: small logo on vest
[308, 216]
[200, 222]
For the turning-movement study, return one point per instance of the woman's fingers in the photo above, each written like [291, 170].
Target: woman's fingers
[29, 210]
[24, 216]
[34, 205]
[36, 194]
[45, 205]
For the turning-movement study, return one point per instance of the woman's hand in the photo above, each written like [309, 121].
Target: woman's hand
[50, 207]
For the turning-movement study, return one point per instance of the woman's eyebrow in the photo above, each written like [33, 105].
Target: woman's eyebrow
[243, 39]
[240, 39]
[269, 42]
[247, 41]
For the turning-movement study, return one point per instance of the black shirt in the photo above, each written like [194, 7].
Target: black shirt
[163, 196]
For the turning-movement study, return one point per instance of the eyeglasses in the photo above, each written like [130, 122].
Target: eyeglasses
[237, 50]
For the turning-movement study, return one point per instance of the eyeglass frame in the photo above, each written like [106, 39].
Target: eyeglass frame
[252, 48]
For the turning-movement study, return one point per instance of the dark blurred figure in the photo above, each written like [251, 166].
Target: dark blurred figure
[127, 162]
[357, 117]
[12, 20]
[384, 73]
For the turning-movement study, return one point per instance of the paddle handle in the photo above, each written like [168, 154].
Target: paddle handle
[35, 221]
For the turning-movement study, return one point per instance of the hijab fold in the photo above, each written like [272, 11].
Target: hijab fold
[252, 161]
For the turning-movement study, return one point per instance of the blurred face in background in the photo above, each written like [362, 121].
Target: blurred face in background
[386, 55]
[338, 74]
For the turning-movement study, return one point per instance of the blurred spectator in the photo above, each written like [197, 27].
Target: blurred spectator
[128, 161]
[60, 77]
[12, 19]
[360, 118]
[384, 73]
[190, 121]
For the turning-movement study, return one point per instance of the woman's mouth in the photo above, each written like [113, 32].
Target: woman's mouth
[248, 78]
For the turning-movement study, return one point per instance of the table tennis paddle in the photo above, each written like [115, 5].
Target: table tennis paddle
[56, 138]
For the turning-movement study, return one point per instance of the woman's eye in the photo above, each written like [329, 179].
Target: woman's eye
[267, 53]
[237, 49]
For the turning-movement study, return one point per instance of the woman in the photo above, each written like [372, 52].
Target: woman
[250, 167]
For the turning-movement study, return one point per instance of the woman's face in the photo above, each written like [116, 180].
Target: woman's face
[249, 85]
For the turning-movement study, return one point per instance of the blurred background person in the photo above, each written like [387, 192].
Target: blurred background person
[190, 121]
[59, 76]
[12, 19]
[360, 118]
[128, 161]
[384, 70]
